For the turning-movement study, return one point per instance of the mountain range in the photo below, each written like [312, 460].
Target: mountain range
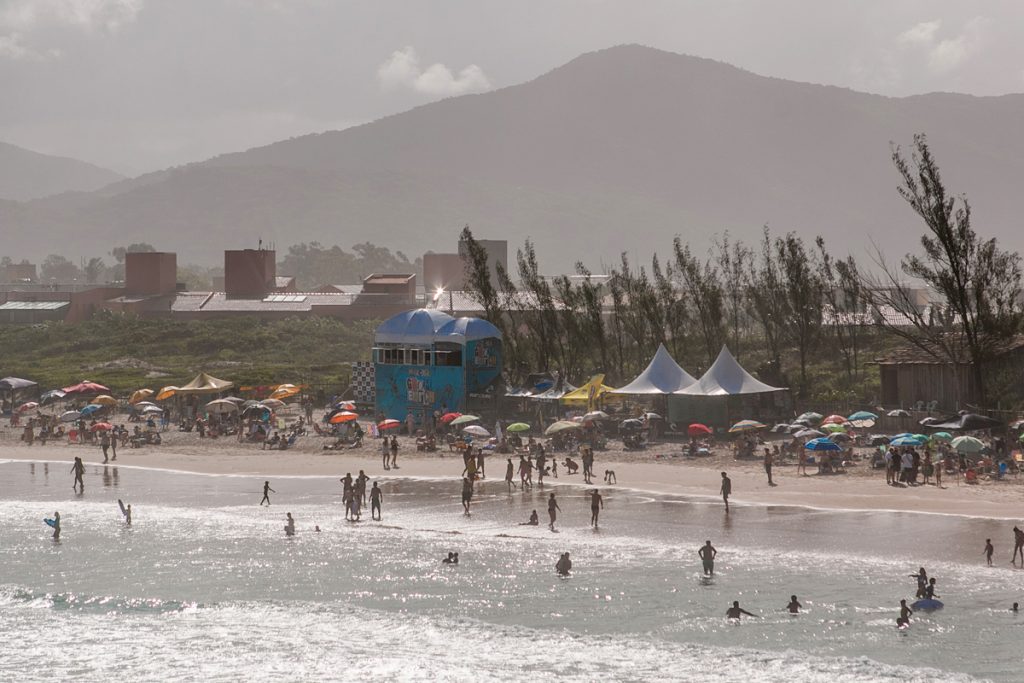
[619, 149]
[25, 174]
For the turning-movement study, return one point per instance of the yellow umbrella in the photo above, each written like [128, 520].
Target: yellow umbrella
[105, 400]
[166, 393]
[285, 391]
[140, 395]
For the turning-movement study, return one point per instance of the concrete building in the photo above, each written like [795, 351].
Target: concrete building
[250, 273]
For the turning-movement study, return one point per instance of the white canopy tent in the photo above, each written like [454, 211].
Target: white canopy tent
[726, 377]
[662, 376]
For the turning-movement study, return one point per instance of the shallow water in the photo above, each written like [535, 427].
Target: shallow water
[205, 586]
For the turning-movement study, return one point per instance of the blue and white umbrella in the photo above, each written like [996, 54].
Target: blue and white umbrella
[822, 444]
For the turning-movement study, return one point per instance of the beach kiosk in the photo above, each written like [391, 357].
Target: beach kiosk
[425, 361]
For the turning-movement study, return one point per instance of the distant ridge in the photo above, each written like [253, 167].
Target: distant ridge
[616, 150]
[26, 175]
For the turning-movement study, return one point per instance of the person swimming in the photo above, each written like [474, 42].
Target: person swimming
[794, 605]
[1014, 609]
[736, 611]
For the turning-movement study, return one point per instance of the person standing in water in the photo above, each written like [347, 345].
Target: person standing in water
[989, 549]
[128, 515]
[56, 526]
[707, 555]
[289, 527]
[794, 605]
[376, 495]
[564, 565]
[266, 493]
[735, 611]
[1018, 546]
[510, 471]
[78, 468]
[726, 489]
[922, 581]
[596, 505]
[905, 611]
[553, 509]
[467, 494]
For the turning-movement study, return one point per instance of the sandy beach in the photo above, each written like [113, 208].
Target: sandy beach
[659, 469]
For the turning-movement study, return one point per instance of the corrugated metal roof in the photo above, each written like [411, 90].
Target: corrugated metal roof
[34, 305]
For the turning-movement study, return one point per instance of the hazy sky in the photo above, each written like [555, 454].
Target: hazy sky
[137, 85]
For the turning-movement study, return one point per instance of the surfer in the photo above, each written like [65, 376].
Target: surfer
[467, 494]
[127, 512]
[596, 505]
[564, 564]
[553, 509]
[794, 605]
[289, 527]
[707, 554]
[376, 495]
[534, 520]
[988, 551]
[726, 489]
[1018, 546]
[78, 469]
[56, 526]
[509, 474]
[266, 493]
[905, 611]
[735, 611]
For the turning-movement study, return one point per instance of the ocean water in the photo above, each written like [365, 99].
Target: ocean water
[206, 587]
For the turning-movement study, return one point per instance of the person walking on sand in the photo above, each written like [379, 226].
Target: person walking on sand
[794, 605]
[768, 462]
[78, 468]
[736, 611]
[726, 489]
[553, 509]
[385, 450]
[707, 555]
[988, 551]
[105, 445]
[394, 452]
[1018, 546]
[510, 471]
[289, 526]
[266, 493]
[596, 505]
[467, 494]
[376, 496]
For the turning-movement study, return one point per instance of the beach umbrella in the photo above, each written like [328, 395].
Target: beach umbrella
[832, 427]
[140, 395]
[463, 419]
[101, 427]
[746, 426]
[90, 409]
[928, 421]
[237, 400]
[86, 387]
[345, 405]
[104, 400]
[272, 403]
[698, 429]
[285, 391]
[390, 423]
[898, 413]
[343, 416]
[220, 406]
[631, 423]
[863, 424]
[781, 428]
[862, 415]
[653, 416]
[477, 430]
[822, 445]
[518, 427]
[25, 407]
[805, 423]
[810, 418]
[901, 435]
[165, 393]
[909, 440]
[968, 444]
[142, 405]
[70, 416]
[941, 436]
[560, 426]
[835, 419]
[51, 396]
[256, 412]
[839, 436]
[596, 415]
[808, 434]
[448, 417]
[879, 440]
[149, 410]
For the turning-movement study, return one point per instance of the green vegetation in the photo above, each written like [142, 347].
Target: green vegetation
[126, 352]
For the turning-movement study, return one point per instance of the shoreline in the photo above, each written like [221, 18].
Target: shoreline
[852, 493]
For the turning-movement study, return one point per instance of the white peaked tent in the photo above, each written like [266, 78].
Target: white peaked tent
[726, 377]
[662, 376]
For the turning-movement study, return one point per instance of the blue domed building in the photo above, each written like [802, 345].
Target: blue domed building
[426, 361]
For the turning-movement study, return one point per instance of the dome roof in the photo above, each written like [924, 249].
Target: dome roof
[466, 330]
[412, 327]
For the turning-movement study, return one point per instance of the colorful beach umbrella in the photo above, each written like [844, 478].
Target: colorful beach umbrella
[518, 427]
[909, 440]
[90, 409]
[105, 400]
[140, 395]
[101, 427]
[346, 405]
[832, 427]
[941, 436]
[746, 426]
[284, 391]
[342, 417]
[698, 429]
[822, 445]
[968, 444]
[477, 430]
[862, 415]
[463, 419]
[86, 387]
[560, 426]
[448, 417]
[390, 423]
[835, 419]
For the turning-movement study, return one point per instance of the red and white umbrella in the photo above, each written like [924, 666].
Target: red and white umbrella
[389, 424]
[101, 427]
[344, 416]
